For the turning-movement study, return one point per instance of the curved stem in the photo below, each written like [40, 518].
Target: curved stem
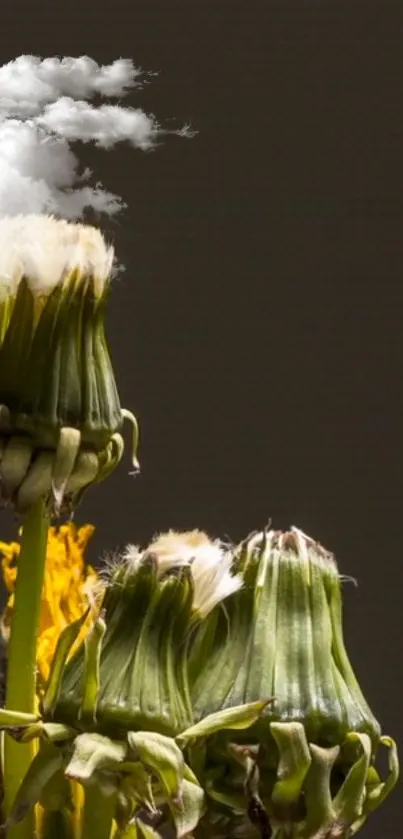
[21, 654]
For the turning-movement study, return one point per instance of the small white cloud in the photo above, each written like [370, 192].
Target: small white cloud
[105, 125]
[43, 110]
[28, 83]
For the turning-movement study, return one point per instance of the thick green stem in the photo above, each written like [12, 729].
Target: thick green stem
[97, 814]
[21, 656]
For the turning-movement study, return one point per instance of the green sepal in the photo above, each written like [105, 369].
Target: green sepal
[142, 652]
[219, 649]
[93, 753]
[71, 362]
[377, 792]
[127, 415]
[64, 644]
[56, 732]
[163, 703]
[90, 418]
[101, 412]
[348, 804]
[239, 717]
[58, 399]
[91, 682]
[294, 761]
[162, 755]
[187, 816]
[111, 415]
[318, 798]
[16, 719]
[68, 446]
[141, 685]
[110, 457]
[50, 400]
[49, 732]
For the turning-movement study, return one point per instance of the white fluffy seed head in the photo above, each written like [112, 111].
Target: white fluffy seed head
[45, 250]
[210, 563]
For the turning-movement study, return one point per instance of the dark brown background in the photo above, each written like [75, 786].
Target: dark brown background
[257, 330]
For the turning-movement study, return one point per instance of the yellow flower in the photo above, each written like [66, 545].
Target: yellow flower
[66, 592]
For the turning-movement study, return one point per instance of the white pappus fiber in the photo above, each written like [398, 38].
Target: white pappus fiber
[44, 250]
[43, 109]
[210, 563]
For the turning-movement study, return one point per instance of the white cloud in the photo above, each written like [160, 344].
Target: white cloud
[28, 83]
[105, 125]
[43, 110]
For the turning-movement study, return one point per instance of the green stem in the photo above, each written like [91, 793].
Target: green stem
[21, 655]
[97, 814]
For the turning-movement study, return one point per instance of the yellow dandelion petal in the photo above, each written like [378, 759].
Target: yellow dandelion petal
[10, 553]
[67, 587]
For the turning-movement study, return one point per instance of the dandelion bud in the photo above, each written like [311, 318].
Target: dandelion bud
[306, 768]
[153, 600]
[120, 704]
[138, 684]
[60, 414]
